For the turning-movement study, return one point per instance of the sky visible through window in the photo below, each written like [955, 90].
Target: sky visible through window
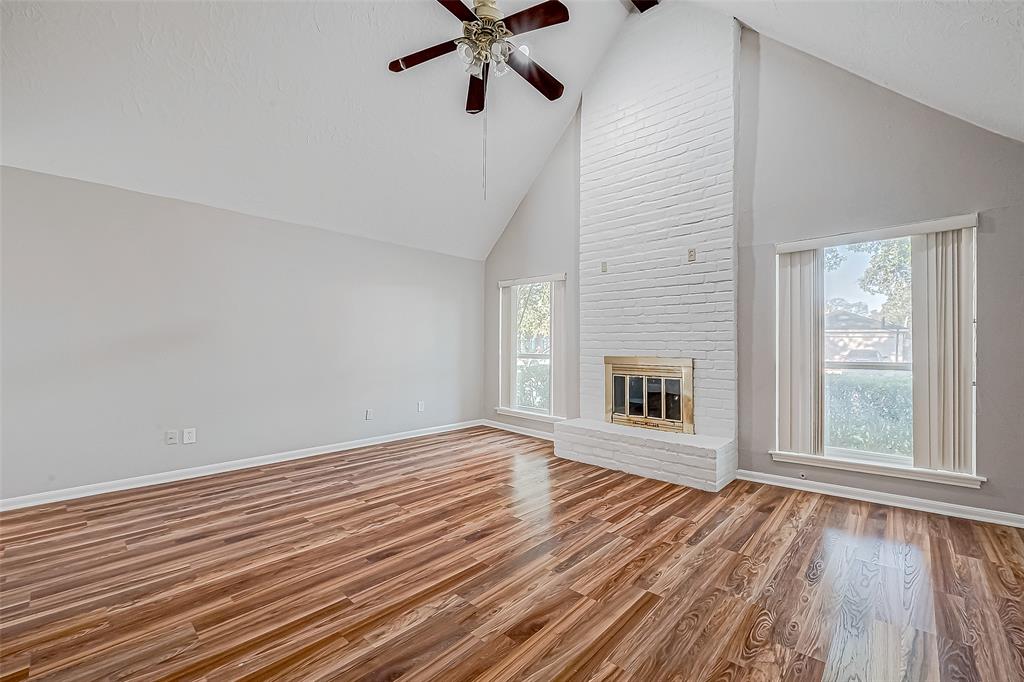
[843, 282]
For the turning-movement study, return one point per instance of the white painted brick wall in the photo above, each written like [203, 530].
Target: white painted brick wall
[705, 462]
[656, 174]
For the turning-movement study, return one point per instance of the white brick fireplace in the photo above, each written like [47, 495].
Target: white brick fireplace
[656, 181]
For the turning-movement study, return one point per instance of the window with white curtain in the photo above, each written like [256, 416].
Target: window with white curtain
[531, 347]
[876, 349]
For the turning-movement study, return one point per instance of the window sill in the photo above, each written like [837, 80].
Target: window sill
[523, 414]
[894, 470]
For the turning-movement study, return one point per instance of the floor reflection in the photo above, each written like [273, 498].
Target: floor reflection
[531, 489]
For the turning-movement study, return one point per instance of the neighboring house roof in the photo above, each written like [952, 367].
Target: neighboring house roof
[843, 319]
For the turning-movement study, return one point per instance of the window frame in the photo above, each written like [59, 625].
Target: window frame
[897, 466]
[515, 355]
[509, 355]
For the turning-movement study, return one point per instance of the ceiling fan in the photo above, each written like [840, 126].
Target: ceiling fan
[484, 45]
[644, 5]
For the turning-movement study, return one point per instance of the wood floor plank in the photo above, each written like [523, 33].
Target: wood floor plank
[477, 554]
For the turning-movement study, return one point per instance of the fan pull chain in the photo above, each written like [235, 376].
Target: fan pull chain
[484, 173]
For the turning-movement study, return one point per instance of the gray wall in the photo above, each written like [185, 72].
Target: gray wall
[542, 238]
[820, 152]
[126, 314]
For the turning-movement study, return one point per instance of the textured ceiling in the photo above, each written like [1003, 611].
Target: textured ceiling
[288, 111]
[965, 58]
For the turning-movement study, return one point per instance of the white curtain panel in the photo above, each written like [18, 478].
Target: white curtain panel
[800, 294]
[943, 325]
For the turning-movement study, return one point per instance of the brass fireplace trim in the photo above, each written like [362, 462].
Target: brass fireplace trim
[668, 368]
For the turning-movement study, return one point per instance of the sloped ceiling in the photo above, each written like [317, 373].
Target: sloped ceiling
[963, 58]
[288, 111]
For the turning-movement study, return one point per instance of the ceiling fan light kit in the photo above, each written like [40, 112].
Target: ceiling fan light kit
[485, 41]
[484, 46]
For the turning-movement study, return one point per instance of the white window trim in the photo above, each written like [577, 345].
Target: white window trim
[880, 468]
[523, 414]
[868, 456]
[868, 462]
[956, 222]
[557, 277]
[557, 353]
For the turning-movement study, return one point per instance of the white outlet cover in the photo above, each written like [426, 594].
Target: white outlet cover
[188, 436]
[369, 415]
[420, 406]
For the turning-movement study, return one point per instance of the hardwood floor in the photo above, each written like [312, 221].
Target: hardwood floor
[479, 555]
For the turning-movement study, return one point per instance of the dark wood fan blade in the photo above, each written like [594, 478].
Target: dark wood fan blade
[461, 12]
[477, 92]
[644, 5]
[422, 56]
[530, 19]
[547, 84]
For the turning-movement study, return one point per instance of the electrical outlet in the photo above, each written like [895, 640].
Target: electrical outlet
[171, 437]
[420, 406]
[691, 255]
[188, 436]
[369, 415]
[604, 266]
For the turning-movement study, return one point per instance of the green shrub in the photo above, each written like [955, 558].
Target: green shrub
[869, 410]
[533, 384]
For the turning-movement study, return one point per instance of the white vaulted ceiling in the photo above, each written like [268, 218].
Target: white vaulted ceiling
[288, 111]
[965, 58]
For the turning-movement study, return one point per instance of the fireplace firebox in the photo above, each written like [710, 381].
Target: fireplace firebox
[649, 392]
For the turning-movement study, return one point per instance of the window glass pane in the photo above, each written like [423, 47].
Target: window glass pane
[868, 347]
[869, 410]
[636, 396]
[533, 313]
[619, 393]
[867, 302]
[654, 398]
[672, 400]
[533, 384]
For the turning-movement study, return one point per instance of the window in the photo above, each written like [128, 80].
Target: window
[876, 349]
[531, 355]
[530, 366]
[868, 353]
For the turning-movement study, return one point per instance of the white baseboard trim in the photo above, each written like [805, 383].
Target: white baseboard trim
[916, 503]
[961, 511]
[221, 467]
[517, 429]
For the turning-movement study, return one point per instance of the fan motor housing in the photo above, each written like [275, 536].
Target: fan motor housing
[487, 9]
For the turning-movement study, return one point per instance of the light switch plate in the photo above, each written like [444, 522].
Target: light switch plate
[171, 437]
[420, 406]
[188, 436]
[369, 415]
